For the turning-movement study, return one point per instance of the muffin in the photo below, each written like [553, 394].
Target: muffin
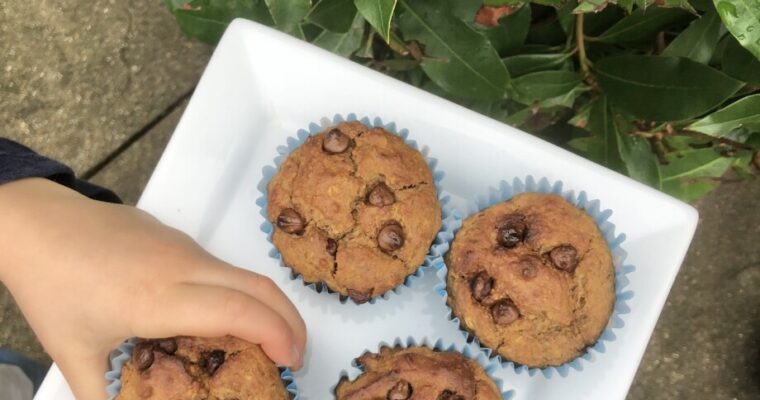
[419, 373]
[532, 278]
[354, 208]
[200, 369]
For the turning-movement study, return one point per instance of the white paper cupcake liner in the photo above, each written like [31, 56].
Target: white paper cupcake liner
[121, 355]
[506, 191]
[441, 242]
[490, 366]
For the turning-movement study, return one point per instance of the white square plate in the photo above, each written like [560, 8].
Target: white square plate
[261, 86]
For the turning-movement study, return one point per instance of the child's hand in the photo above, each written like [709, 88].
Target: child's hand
[88, 275]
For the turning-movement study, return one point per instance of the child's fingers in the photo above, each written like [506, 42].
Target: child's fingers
[85, 375]
[213, 311]
[263, 289]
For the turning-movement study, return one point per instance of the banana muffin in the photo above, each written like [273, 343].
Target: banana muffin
[418, 373]
[532, 278]
[354, 208]
[192, 368]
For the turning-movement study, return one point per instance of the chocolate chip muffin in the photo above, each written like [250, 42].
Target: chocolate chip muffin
[532, 278]
[354, 208]
[418, 373]
[200, 369]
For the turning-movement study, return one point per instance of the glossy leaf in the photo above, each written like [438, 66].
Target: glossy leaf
[602, 124]
[677, 3]
[742, 18]
[458, 59]
[722, 122]
[379, 14]
[684, 175]
[333, 15]
[511, 31]
[206, 20]
[343, 44]
[661, 88]
[464, 9]
[566, 99]
[642, 25]
[740, 63]
[698, 41]
[288, 14]
[640, 162]
[526, 63]
[589, 6]
[627, 5]
[538, 86]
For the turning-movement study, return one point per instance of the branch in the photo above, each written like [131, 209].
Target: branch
[581, 44]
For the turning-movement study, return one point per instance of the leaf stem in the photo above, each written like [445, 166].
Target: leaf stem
[581, 44]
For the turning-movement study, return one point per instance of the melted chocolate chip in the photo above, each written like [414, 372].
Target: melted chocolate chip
[335, 142]
[449, 395]
[402, 390]
[211, 360]
[168, 346]
[332, 247]
[380, 196]
[290, 221]
[390, 237]
[512, 230]
[142, 356]
[564, 258]
[481, 285]
[504, 312]
[359, 297]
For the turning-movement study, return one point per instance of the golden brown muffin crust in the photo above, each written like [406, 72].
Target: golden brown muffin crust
[418, 373]
[192, 368]
[532, 278]
[355, 208]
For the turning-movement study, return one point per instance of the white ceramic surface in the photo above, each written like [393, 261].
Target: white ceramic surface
[261, 86]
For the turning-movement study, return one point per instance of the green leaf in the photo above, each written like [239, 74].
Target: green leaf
[640, 162]
[689, 190]
[643, 25]
[602, 125]
[343, 44]
[742, 18]
[526, 63]
[694, 163]
[589, 6]
[511, 31]
[659, 88]
[333, 15]
[458, 58]
[740, 63]
[207, 19]
[538, 86]
[698, 41]
[566, 17]
[465, 9]
[677, 3]
[379, 14]
[566, 99]
[498, 3]
[720, 123]
[627, 5]
[288, 14]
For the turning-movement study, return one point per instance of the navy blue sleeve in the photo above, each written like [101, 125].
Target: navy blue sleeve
[19, 162]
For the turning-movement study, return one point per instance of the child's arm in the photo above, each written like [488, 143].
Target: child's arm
[89, 274]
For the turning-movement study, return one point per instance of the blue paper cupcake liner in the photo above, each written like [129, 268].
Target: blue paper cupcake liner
[490, 366]
[437, 249]
[506, 191]
[121, 355]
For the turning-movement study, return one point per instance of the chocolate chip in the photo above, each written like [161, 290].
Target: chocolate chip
[380, 196]
[211, 360]
[481, 285]
[332, 247]
[390, 237]
[359, 297]
[168, 346]
[504, 312]
[142, 356]
[449, 395]
[335, 142]
[290, 221]
[512, 230]
[528, 267]
[402, 390]
[564, 257]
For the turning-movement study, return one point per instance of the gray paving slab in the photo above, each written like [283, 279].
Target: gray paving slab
[78, 78]
[128, 173]
[707, 341]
